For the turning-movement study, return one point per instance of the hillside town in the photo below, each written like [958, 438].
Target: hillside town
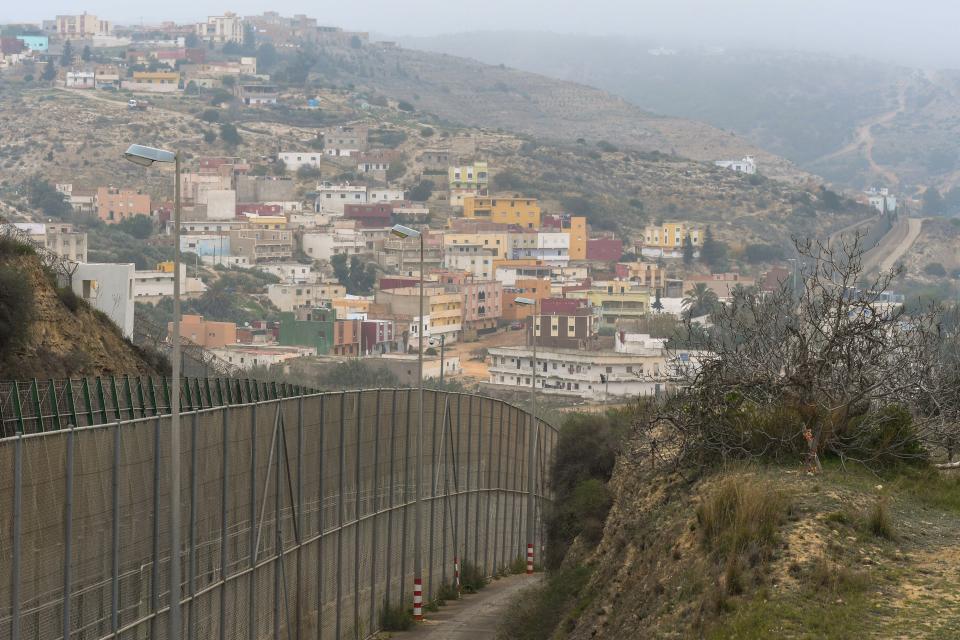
[314, 224]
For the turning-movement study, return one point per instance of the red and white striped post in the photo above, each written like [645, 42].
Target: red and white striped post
[530, 559]
[456, 574]
[417, 599]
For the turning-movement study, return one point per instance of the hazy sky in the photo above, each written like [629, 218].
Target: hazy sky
[920, 32]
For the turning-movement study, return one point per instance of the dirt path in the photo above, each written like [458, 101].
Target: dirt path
[863, 140]
[478, 369]
[474, 617]
[913, 231]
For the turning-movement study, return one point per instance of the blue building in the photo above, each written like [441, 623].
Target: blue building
[206, 245]
[40, 44]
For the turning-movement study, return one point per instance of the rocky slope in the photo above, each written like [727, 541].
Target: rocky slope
[63, 335]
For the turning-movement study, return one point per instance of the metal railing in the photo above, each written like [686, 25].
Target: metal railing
[48, 405]
[298, 515]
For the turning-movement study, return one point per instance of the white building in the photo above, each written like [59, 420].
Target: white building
[152, 285]
[331, 198]
[221, 204]
[574, 372]
[385, 195]
[228, 261]
[58, 237]
[747, 165]
[881, 199]
[80, 80]
[290, 272]
[293, 160]
[221, 29]
[323, 245]
[109, 288]
[289, 297]
[247, 356]
[472, 256]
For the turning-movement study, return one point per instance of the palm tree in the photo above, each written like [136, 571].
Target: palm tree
[700, 300]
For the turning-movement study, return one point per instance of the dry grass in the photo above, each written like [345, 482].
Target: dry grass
[741, 514]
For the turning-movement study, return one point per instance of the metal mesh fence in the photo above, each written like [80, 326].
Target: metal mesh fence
[297, 514]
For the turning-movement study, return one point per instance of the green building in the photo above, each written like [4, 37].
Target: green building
[308, 328]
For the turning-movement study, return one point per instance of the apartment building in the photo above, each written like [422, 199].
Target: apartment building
[308, 327]
[667, 239]
[84, 25]
[290, 297]
[153, 82]
[262, 244]
[323, 245]
[332, 198]
[59, 237]
[344, 141]
[221, 29]
[615, 300]
[206, 333]
[535, 288]
[521, 211]
[573, 226]
[114, 204]
[482, 300]
[347, 333]
[445, 308]
[648, 274]
[467, 180]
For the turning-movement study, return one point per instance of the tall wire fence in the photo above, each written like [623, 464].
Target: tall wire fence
[298, 515]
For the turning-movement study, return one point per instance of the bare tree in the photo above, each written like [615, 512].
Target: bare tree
[831, 367]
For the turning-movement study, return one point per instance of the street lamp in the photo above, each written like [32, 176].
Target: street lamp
[403, 233]
[145, 157]
[442, 340]
[534, 435]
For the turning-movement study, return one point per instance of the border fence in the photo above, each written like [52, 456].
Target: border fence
[298, 513]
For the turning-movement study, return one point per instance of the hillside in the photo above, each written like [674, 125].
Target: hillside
[48, 332]
[466, 92]
[854, 121]
[617, 187]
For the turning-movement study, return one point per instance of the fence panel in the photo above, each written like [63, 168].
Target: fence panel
[297, 513]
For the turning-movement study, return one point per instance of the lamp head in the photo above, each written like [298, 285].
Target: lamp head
[525, 301]
[404, 232]
[146, 156]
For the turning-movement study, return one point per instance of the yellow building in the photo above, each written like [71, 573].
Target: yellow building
[671, 235]
[578, 237]
[165, 267]
[267, 222]
[157, 77]
[517, 210]
[498, 243]
[474, 176]
[616, 300]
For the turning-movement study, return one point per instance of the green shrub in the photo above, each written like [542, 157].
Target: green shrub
[741, 514]
[886, 435]
[471, 577]
[16, 307]
[446, 592]
[395, 618]
[12, 248]
[518, 565]
[878, 520]
[540, 610]
[69, 298]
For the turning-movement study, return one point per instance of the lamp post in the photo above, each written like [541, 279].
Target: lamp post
[534, 435]
[145, 157]
[443, 340]
[403, 233]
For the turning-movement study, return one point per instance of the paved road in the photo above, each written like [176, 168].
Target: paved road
[913, 232]
[474, 617]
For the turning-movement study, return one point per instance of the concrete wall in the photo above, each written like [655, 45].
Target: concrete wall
[109, 288]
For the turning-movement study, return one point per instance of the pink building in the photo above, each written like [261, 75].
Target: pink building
[378, 336]
[604, 249]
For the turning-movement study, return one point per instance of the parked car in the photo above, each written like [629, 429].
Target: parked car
[515, 325]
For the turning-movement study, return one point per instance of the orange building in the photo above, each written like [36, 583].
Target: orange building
[535, 288]
[346, 337]
[114, 205]
[523, 212]
[206, 333]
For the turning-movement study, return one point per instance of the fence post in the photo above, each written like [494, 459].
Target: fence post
[320, 524]
[35, 394]
[356, 522]
[17, 541]
[278, 437]
[301, 602]
[499, 529]
[102, 397]
[518, 461]
[406, 502]
[131, 409]
[155, 551]
[115, 533]
[487, 567]
[252, 582]
[68, 533]
[115, 396]
[479, 496]
[393, 455]
[224, 531]
[433, 493]
[192, 536]
[55, 404]
[466, 481]
[375, 520]
[340, 513]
